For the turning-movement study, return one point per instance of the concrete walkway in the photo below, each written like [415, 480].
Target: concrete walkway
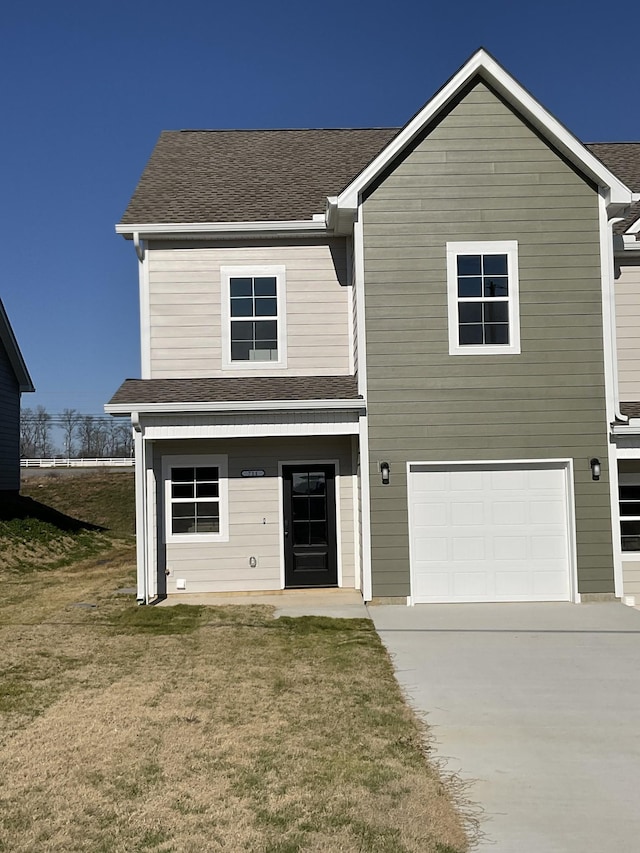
[538, 706]
[337, 603]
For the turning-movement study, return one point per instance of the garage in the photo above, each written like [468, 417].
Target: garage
[491, 532]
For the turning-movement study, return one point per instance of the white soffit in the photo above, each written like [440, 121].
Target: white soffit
[485, 66]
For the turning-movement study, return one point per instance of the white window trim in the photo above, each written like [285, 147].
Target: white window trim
[484, 247]
[226, 274]
[201, 461]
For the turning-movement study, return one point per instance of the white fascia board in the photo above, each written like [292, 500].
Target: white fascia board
[18, 365]
[484, 65]
[166, 230]
[237, 406]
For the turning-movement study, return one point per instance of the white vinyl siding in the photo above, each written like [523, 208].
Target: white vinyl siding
[255, 514]
[185, 308]
[627, 289]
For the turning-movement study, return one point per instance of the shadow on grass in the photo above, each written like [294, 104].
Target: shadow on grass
[18, 508]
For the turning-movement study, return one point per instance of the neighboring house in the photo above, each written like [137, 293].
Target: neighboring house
[14, 380]
[381, 359]
[624, 159]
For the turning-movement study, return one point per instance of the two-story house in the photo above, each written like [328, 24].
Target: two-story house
[381, 359]
[14, 381]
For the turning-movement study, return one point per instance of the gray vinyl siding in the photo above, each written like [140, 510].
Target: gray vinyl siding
[9, 425]
[185, 335]
[627, 288]
[483, 174]
[254, 513]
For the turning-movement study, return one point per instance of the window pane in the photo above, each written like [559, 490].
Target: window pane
[496, 333]
[241, 331]
[183, 518]
[264, 351]
[240, 351]
[300, 507]
[318, 533]
[495, 286]
[469, 287]
[182, 475]
[494, 264]
[470, 312]
[300, 484]
[266, 307]
[630, 528]
[496, 312]
[630, 508]
[469, 264]
[317, 483]
[266, 330]
[265, 286]
[317, 507]
[207, 490]
[631, 543]
[240, 286]
[242, 307]
[630, 493]
[182, 490]
[301, 533]
[207, 473]
[471, 334]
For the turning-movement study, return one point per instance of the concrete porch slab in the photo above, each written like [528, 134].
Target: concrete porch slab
[335, 603]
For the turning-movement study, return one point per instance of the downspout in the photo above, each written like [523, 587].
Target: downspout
[139, 246]
[609, 305]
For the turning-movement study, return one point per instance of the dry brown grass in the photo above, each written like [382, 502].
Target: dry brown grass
[202, 729]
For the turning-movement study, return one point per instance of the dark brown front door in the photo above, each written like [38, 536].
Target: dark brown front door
[310, 557]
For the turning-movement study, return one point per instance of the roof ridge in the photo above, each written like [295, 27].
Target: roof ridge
[275, 129]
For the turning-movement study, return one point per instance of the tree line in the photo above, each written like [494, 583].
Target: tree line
[83, 436]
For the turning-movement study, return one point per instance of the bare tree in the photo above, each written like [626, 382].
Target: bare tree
[69, 421]
[27, 433]
[42, 423]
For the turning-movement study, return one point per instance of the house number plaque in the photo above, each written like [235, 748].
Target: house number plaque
[253, 472]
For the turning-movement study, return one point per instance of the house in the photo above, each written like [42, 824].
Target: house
[382, 359]
[14, 380]
[624, 159]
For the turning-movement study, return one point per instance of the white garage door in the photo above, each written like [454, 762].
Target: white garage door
[489, 533]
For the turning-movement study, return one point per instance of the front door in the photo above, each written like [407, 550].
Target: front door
[310, 557]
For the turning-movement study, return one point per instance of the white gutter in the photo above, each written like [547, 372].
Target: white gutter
[169, 229]
[234, 406]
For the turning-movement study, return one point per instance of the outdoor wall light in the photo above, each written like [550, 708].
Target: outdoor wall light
[595, 468]
[385, 473]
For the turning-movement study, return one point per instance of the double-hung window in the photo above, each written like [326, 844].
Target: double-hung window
[195, 498]
[253, 333]
[482, 285]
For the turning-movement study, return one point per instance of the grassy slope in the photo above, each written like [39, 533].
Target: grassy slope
[198, 728]
[59, 520]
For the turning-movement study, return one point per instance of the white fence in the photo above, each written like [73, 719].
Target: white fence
[124, 462]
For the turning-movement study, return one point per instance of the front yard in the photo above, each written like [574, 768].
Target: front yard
[200, 729]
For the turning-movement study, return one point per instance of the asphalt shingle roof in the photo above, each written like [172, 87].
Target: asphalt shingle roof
[222, 390]
[249, 175]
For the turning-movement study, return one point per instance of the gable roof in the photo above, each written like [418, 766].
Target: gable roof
[208, 177]
[483, 66]
[249, 175]
[13, 352]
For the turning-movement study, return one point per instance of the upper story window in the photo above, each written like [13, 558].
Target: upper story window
[482, 285]
[253, 317]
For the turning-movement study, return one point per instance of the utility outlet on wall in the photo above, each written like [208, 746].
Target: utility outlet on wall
[181, 583]
[253, 562]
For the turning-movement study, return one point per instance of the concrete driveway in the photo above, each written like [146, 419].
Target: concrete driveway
[538, 706]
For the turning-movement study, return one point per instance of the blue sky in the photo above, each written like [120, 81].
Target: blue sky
[87, 88]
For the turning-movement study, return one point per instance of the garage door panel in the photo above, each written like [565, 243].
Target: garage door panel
[507, 541]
